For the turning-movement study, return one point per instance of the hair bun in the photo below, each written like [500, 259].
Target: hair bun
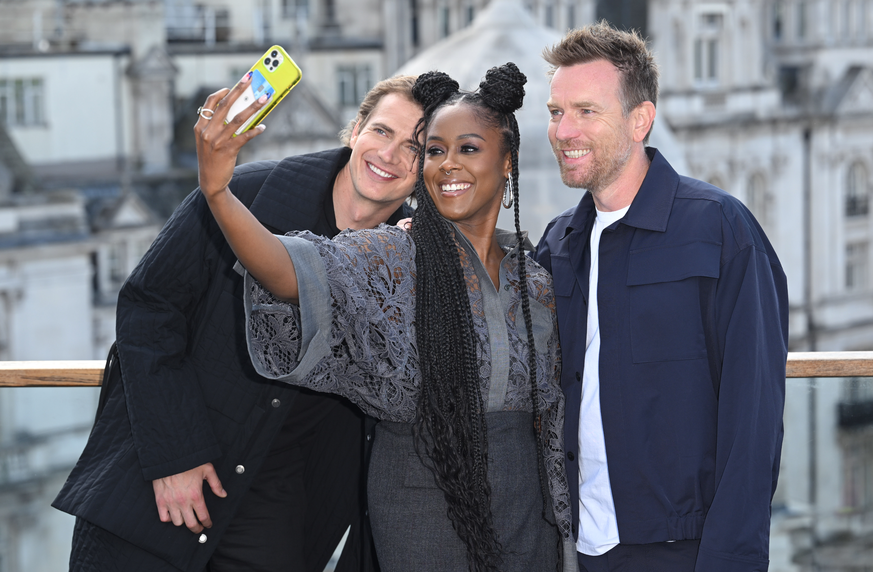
[433, 87]
[503, 88]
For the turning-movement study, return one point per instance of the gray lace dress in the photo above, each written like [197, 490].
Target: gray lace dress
[353, 334]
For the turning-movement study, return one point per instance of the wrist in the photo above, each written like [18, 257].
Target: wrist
[212, 194]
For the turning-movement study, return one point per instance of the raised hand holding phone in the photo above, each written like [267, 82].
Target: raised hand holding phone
[218, 145]
[273, 75]
[216, 140]
[231, 118]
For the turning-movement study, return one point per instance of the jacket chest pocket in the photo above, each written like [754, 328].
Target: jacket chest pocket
[564, 277]
[666, 317]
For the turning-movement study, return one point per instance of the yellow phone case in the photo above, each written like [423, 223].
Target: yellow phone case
[274, 74]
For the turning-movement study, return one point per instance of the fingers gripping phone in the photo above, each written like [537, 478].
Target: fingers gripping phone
[273, 75]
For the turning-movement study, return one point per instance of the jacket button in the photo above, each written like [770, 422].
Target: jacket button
[240, 469]
[571, 456]
[575, 528]
[202, 539]
[369, 437]
[578, 376]
[275, 403]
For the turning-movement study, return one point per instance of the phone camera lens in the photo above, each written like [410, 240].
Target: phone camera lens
[267, 62]
[275, 53]
[275, 63]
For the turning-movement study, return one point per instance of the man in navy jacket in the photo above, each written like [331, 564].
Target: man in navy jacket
[673, 315]
[195, 462]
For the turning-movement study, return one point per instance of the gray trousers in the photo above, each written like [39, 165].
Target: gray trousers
[408, 512]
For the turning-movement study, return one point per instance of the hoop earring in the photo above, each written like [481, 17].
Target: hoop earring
[508, 195]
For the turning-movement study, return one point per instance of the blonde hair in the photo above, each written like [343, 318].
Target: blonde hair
[399, 84]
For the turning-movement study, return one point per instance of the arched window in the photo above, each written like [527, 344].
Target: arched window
[759, 199]
[857, 190]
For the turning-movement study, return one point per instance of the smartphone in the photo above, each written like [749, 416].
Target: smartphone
[273, 75]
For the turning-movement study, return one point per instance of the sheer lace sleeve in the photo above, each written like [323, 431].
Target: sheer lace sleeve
[553, 456]
[353, 332]
[552, 402]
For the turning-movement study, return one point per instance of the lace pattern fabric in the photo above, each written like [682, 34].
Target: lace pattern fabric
[372, 357]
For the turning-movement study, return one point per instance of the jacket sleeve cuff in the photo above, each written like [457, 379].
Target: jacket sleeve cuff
[710, 561]
[182, 464]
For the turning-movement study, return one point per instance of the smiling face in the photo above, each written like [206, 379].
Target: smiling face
[591, 137]
[383, 151]
[472, 153]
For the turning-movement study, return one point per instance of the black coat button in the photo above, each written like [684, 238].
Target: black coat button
[571, 456]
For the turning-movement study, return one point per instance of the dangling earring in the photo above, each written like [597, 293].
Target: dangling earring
[508, 196]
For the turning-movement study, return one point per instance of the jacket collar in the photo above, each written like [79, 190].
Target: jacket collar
[505, 238]
[508, 239]
[292, 196]
[651, 206]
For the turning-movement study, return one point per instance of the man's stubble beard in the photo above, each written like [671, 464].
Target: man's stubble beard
[601, 173]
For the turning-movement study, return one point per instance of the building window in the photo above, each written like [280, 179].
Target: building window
[5, 327]
[858, 473]
[444, 22]
[571, 16]
[706, 49]
[470, 13]
[22, 101]
[117, 263]
[847, 20]
[413, 22]
[291, 8]
[857, 267]
[778, 20]
[550, 15]
[791, 83]
[802, 23]
[759, 200]
[354, 83]
[857, 190]
[329, 12]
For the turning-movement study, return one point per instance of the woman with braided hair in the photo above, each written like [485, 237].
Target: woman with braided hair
[446, 333]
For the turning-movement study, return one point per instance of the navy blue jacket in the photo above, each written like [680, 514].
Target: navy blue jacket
[694, 329]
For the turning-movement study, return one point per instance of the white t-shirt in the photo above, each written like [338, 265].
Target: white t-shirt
[598, 528]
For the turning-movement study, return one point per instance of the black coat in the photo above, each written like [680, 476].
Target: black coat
[189, 394]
